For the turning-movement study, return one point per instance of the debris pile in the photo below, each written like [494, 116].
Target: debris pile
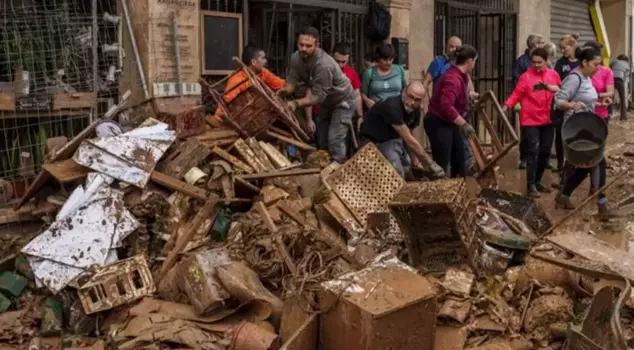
[245, 237]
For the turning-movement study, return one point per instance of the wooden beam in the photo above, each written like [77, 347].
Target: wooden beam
[282, 173]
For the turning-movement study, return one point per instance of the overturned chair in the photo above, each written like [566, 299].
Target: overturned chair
[254, 110]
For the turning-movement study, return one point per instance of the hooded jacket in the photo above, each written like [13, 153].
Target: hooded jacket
[536, 104]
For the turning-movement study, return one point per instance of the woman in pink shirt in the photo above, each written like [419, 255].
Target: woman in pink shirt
[603, 82]
[535, 91]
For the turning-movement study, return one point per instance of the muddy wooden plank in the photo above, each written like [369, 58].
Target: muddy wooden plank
[219, 143]
[188, 155]
[276, 157]
[217, 134]
[335, 207]
[233, 160]
[260, 154]
[66, 170]
[591, 248]
[291, 141]
[180, 186]
[249, 156]
[283, 173]
[11, 215]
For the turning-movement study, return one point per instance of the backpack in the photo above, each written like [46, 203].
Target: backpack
[377, 22]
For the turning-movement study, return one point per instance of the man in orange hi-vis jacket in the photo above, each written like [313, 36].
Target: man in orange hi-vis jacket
[255, 59]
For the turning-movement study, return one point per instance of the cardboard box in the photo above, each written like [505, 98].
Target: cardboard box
[385, 306]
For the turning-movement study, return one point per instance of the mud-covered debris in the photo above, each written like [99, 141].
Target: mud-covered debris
[200, 282]
[458, 282]
[117, 284]
[52, 317]
[546, 310]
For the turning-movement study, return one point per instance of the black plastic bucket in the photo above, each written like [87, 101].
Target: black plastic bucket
[584, 135]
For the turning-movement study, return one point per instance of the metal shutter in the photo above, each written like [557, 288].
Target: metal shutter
[568, 17]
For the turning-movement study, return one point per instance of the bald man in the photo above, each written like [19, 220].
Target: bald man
[440, 64]
[388, 125]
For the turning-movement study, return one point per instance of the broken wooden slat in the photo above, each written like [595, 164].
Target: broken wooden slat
[233, 160]
[247, 184]
[217, 134]
[66, 170]
[188, 155]
[219, 143]
[290, 141]
[208, 211]
[260, 154]
[270, 225]
[249, 156]
[179, 186]
[276, 157]
[283, 173]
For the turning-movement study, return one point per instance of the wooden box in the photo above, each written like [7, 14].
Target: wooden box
[152, 24]
[77, 100]
[385, 307]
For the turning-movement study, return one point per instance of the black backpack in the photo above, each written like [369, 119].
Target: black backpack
[377, 22]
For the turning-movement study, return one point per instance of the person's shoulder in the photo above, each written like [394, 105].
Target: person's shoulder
[348, 70]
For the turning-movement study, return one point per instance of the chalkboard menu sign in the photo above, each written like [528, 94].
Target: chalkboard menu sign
[221, 39]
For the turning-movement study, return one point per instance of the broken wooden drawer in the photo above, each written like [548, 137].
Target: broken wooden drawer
[117, 284]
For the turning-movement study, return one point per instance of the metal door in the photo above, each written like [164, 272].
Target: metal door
[492, 32]
[282, 25]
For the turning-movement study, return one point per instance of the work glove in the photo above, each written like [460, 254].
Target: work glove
[438, 172]
[467, 130]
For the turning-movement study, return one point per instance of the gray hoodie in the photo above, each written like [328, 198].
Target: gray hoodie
[577, 88]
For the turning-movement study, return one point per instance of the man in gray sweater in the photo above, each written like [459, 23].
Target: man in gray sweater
[329, 88]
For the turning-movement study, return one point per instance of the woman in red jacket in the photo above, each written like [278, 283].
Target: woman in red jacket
[535, 91]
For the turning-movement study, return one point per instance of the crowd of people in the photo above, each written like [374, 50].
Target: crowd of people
[547, 93]
[381, 107]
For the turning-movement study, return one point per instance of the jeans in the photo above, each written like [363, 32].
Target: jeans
[538, 144]
[447, 145]
[332, 129]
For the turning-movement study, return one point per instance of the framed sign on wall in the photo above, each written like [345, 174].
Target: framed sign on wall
[221, 37]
